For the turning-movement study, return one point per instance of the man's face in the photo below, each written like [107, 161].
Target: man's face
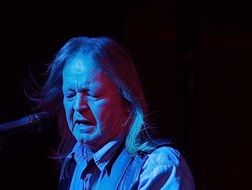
[95, 111]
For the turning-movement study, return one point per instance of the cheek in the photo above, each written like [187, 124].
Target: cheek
[68, 111]
[107, 113]
[66, 107]
[100, 110]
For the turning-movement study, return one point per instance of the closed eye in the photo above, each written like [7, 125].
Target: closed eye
[94, 96]
[69, 95]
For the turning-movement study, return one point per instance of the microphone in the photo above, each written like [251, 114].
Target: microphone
[26, 123]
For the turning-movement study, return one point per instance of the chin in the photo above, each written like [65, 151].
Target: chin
[91, 143]
[86, 140]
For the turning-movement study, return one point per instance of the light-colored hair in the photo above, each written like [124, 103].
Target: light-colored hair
[119, 67]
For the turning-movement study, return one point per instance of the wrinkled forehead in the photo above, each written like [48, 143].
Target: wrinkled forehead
[79, 61]
[85, 68]
[81, 66]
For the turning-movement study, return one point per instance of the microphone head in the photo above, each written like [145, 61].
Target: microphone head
[35, 122]
[38, 117]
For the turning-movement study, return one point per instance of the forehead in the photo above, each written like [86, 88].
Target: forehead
[83, 72]
[80, 63]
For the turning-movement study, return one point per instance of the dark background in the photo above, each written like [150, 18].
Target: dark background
[194, 61]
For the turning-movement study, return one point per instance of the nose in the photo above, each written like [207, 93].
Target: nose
[80, 103]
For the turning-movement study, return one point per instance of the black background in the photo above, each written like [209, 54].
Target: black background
[194, 61]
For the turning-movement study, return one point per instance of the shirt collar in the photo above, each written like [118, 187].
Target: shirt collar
[107, 153]
[103, 157]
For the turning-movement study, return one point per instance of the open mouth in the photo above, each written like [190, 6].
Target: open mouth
[82, 122]
[83, 126]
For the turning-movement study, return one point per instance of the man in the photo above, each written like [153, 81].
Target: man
[95, 91]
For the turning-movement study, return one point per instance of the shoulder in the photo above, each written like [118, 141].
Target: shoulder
[165, 168]
[164, 155]
[165, 158]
